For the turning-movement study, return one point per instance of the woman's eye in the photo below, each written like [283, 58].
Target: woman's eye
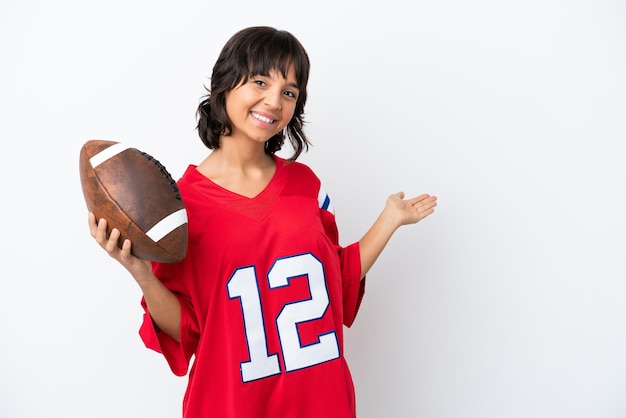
[291, 94]
[259, 82]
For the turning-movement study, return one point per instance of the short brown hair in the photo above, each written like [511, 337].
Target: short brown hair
[255, 51]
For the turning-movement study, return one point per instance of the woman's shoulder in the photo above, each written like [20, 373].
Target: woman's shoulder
[300, 178]
[193, 182]
[295, 167]
[190, 175]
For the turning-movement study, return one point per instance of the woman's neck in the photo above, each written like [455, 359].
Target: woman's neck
[244, 173]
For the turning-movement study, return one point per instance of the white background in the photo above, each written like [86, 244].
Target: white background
[509, 302]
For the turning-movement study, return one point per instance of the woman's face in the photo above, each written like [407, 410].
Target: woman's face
[262, 106]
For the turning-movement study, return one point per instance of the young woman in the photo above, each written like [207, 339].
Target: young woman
[258, 306]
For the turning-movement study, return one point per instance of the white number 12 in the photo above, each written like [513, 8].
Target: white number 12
[243, 285]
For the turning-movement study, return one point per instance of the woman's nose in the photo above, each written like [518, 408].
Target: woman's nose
[273, 99]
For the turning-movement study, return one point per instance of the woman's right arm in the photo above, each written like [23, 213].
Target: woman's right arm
[162, 304]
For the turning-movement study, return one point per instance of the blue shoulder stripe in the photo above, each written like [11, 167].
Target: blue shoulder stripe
[324, 202]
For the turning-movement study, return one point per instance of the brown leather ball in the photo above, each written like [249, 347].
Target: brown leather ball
[135, 194]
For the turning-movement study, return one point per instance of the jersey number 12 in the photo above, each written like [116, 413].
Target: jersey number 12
[243, 285]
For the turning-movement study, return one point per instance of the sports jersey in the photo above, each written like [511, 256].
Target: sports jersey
[265, 291]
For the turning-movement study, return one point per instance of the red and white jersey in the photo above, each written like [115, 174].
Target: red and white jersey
[265, 290]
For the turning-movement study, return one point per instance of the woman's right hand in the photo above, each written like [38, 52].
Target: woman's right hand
[138, 267]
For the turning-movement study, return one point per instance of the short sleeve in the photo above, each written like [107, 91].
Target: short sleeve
[352, 284]
[177, 354]
[353, 287]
